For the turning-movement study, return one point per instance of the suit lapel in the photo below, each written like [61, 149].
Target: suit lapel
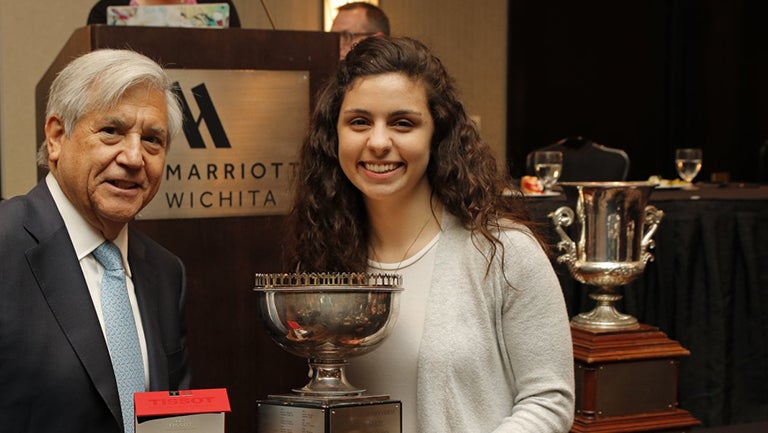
[60, 278]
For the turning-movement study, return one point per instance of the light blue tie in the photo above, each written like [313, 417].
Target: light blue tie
[122, 338]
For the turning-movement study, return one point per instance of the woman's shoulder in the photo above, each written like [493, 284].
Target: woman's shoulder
[510, 234]
[510, 228]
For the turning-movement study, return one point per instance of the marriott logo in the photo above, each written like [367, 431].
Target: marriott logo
[207, 113]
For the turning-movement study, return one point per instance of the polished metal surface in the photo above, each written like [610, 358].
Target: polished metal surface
[328, 318]
[615, 230]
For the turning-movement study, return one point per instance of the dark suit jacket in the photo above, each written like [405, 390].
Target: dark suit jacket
[98, 14]
[55, 370]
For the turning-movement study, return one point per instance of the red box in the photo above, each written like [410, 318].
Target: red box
[190, 410]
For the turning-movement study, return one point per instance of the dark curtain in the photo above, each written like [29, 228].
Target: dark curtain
[645, 76]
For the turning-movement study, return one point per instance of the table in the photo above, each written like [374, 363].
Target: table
[706, 288]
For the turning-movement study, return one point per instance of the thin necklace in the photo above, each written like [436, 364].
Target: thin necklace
[413, 242]
[418, 235]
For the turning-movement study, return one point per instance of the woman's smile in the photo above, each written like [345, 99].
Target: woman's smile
[380, 167]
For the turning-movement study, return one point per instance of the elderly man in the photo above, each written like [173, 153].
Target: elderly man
[356, 21]
[92, 311]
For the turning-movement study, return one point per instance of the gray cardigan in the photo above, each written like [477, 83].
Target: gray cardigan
[495, 356]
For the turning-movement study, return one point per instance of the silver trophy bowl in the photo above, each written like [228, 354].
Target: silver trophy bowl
[328, 318]
[615, 230]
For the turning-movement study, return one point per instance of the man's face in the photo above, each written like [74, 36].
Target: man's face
[352, 26]
[111, 164]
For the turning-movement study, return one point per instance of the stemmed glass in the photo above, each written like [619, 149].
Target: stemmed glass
[549, 166]
[688, 163]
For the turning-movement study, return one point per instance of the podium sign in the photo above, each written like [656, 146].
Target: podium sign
[233, 158]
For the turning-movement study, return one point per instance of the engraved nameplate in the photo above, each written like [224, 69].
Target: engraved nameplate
[380, 417]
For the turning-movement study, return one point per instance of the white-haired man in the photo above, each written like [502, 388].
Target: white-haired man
[75, 344]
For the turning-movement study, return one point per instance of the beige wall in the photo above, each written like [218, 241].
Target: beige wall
[31, 33]
[471, 41]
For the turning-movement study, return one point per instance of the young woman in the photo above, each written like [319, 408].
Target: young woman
[394, 178]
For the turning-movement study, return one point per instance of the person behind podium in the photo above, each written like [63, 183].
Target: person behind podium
[98, 13]
[110, 118]
[356, 21]
[393, 177]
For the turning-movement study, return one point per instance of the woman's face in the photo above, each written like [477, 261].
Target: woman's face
[385, 130]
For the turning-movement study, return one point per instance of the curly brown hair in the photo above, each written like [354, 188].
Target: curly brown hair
[328, 222]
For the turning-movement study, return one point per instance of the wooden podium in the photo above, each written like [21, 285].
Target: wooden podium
[626, 381]
[229, 347]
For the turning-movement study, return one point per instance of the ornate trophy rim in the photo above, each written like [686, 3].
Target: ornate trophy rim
[328, 281]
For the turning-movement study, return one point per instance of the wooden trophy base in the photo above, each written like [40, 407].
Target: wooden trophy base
[626, 381]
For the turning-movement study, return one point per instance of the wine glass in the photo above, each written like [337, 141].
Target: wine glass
[688, 163]
[549, 166]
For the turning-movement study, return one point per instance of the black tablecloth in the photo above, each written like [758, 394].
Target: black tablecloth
[706, 288]
[761, 427]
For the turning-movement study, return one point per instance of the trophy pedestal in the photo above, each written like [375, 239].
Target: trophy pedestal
[626, 381]
[297, 414]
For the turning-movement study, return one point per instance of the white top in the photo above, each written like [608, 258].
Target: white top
[391, 368]
[85, 238]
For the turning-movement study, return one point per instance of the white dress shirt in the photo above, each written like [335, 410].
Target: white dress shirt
[85, 238]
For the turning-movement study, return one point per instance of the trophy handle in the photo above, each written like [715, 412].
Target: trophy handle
[563, 217]
[651, 223]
